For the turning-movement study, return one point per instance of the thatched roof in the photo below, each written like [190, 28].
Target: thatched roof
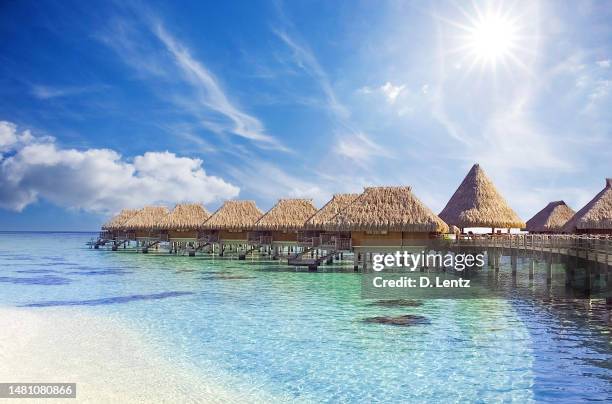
[287, 214]
[184, 217]
[391, 209]
[477, 203]
[147, 218]
[550, 219]
[323, 219]
[596, 215]
[117, 222]
[234, 215]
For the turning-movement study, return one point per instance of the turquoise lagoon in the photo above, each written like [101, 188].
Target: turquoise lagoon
[301, 336]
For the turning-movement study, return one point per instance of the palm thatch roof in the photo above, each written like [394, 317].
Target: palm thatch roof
[595, 215]
[323, 218]
[287, 214]
[390, 209]
[477, 203]
[234, 215]
[117, 222]
[550, 219]
[147, 218]
[184, 217]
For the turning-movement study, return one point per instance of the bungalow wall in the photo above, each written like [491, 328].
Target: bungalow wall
[145, 233]
[182, 234]
[233, 235]
[282, 236]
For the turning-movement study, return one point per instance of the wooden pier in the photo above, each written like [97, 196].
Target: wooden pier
[596, 248]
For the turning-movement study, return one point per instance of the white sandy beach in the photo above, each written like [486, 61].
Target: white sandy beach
[108, 363]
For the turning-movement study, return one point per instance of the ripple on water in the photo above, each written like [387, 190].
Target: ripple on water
[226, 277]
[41, 280]
[100, 272]
[108, 300]
[37, 271]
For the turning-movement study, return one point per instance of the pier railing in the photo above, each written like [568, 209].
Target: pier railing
[591, 247]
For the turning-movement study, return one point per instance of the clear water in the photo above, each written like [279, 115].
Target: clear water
[301, 335]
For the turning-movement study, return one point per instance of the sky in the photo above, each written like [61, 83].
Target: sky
[105, 105]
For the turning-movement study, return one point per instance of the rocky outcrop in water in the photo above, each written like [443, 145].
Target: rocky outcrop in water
[405, 320]
[397, 303]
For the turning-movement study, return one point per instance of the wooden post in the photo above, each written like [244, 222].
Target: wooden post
[513, 263]
[531, 269]
[587, 280]
[549, 270]
[355, 261]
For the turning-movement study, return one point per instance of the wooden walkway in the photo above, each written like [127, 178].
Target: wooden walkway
[589, 247]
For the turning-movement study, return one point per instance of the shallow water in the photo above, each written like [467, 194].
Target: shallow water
[303, 335]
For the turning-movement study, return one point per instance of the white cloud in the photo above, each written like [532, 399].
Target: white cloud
[10, 138]
[99, 180]
[604, 63]
[391, 92]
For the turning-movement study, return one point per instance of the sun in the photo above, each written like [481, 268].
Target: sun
[498, 35]
[492, 38]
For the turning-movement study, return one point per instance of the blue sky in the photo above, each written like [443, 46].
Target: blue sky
[105, 105]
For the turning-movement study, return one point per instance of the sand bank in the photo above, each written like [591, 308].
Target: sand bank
[109, 363]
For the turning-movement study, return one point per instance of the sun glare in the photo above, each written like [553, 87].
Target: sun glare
[492, 38]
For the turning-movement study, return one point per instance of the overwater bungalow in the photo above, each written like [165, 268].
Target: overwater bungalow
[183, 223]
[231, 223]
[596, 216]
[279, 226]
[143, 226]
[477, 203]
[388, 217]
[115, 226]
[551, 219]
[320, 231]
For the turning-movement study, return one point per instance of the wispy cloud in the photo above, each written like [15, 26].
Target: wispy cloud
[351, 142]
[267, 181]
[209, 102]
[45, 92]
[305, 59]
[360, 148]
[212, 96]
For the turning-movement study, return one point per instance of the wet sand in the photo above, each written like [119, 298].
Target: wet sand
[109, 363]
